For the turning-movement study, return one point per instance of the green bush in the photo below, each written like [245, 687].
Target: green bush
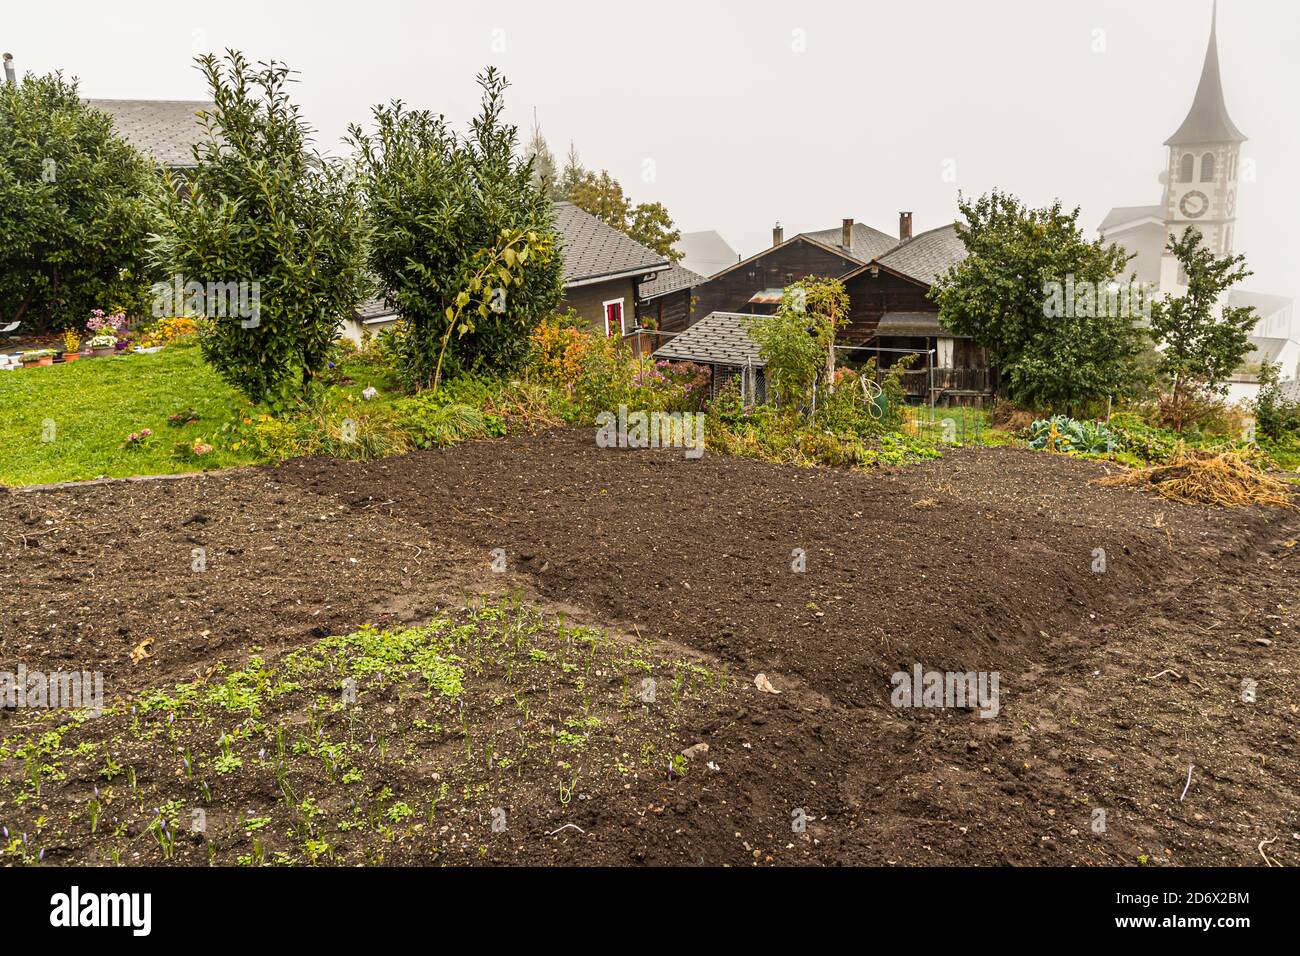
[463, 244]
[75, 210]
[429, 421]
[263, 210]
[1276, 417]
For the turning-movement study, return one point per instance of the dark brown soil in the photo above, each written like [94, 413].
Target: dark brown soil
[1112, 683]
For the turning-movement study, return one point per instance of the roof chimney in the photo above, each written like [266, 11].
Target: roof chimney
[10, 78]
[846, 234]
[904, 226]
[778, 235]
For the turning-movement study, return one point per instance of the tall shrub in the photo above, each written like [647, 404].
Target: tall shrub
[264, 209]
[796, 343]
[463, 245]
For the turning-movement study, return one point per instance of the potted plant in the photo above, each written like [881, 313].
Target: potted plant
[102, 346]
[36, 357]
[71, 346]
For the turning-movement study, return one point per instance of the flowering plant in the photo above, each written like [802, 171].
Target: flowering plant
[102, 342]
[138, 439]
[106, 324]
[676, 382]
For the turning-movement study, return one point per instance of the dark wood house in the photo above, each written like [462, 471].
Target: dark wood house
[754, 285]
[891, 313]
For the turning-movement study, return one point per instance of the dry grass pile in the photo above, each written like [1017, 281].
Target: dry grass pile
[1201, 477]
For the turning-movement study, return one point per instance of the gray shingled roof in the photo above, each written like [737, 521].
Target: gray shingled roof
[868, 243]
[374, 309]
[593, 250]
[927, 255]
[161, 129]
[675, 278]
[1208, 121]
[720, 338]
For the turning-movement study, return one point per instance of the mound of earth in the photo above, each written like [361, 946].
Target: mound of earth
[1132, 637]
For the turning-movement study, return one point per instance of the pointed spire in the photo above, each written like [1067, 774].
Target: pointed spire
[1208, 120]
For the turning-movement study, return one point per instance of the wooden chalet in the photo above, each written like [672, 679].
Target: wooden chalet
[890, 309]
[754, 285]
[891, 314]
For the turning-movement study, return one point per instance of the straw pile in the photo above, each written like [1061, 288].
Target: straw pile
[1202, 477]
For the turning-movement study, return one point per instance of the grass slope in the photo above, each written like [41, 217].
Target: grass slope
[95, 404]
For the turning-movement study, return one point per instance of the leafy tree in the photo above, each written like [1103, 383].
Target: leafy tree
[999, 296]
[649, 224]
[1199, 350]
[463, 243]
[601, 195]
[265, 209]
[796, 344]
[74, 208]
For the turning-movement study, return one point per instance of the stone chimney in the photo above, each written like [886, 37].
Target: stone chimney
[846, 234]
[904, 226]
[778, 235]
[10, 78]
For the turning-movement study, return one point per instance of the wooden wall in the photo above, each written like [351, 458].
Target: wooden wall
[775, 269]
[870, 297]
[670, 312]
[587, 301]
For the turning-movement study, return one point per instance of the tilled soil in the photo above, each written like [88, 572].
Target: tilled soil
[1125, 631]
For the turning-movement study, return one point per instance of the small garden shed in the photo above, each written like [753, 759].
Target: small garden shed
[721, 341]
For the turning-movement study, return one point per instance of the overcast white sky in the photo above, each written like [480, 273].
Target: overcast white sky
[736, 114]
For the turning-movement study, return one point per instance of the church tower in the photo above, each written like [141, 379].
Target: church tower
[1201, 176]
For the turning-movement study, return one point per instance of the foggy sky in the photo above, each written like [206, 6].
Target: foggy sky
[737, 114]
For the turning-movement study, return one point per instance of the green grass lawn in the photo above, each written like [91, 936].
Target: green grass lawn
[69, 422]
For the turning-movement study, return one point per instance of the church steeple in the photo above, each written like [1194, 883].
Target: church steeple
[1208, 120]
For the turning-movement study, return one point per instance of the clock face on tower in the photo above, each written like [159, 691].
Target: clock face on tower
[1194, 204]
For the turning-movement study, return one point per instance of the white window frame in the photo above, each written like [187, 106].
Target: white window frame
[622, 314]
